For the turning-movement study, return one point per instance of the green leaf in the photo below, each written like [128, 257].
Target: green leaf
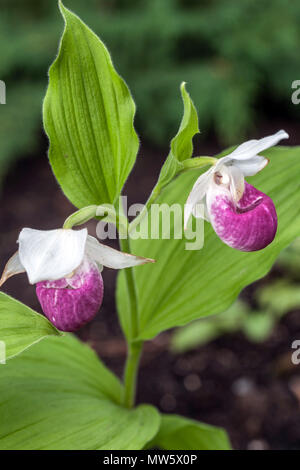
[184, 285]
[88, 116]
[179, 433]
[58, 395]
[20, 327]
[182, 144]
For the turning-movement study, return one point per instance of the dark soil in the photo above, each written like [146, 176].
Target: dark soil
[252, 390]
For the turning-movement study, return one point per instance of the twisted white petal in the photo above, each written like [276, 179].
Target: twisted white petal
[13, 266]
[111, 258]
[48, 255]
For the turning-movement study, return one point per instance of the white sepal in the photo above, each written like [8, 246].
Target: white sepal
[111, 258]
[49, 255]
[13, 266]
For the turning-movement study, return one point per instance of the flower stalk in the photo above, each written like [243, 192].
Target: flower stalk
[134, 348]
[106, 212]
[131, 373]
[80, 217]
[197, 162]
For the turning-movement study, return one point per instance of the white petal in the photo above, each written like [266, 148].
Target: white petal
[252, 166]
[253, 147]
[200, 210]
[48, 255]
[106, 256]
[13, 266]
[197, 194]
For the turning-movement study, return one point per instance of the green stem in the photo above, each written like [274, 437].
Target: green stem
[134, 347]
[131, 372]
[197, 162]
[107, 212]
[132, 292]
[80, 217]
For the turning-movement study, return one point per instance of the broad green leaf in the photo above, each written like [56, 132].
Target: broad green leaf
[184, 285]
[58, 395]
[88, 117]
[20, 327]
[179, 433]
[182, 144]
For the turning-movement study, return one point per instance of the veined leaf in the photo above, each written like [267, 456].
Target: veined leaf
[58, 395]
[185, 285]
[182, 144]
[179, 433]
[20, 327]
[88, 116]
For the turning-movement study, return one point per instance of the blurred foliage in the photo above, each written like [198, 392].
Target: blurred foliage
[272, 300]
[236, 57]
[289, 260]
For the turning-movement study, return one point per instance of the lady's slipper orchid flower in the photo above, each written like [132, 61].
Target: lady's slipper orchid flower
[243, 217]
[66, 267]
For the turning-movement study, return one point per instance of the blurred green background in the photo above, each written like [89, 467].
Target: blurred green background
[238, 57]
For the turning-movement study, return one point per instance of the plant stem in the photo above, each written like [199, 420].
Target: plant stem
[134, 347]
[132, 292]
[197, 163]
[131, 372]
